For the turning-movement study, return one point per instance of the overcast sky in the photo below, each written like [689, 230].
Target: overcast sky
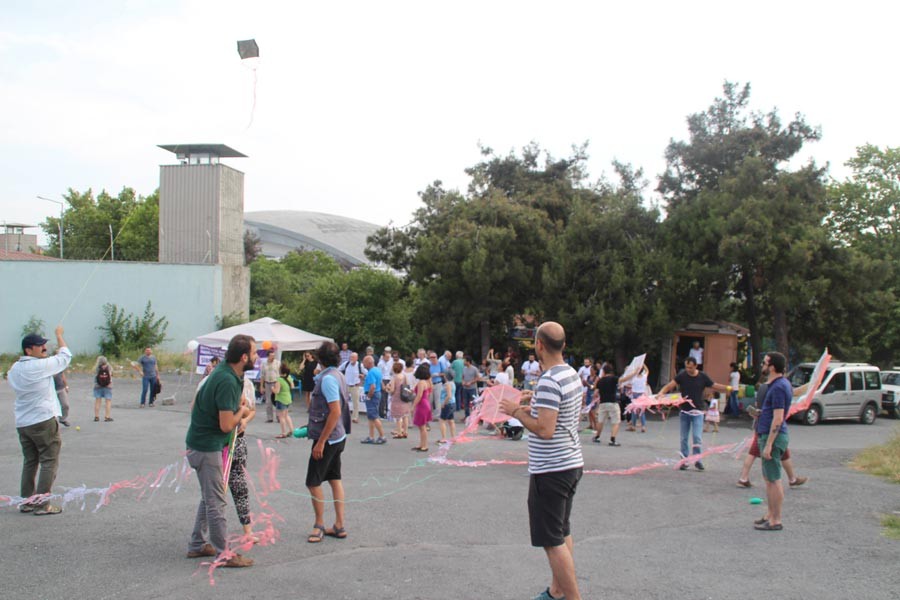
[359, 105]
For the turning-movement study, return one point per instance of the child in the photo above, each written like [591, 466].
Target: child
[448, 406]
[712, 414]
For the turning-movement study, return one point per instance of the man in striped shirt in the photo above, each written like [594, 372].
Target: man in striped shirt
[554, 457]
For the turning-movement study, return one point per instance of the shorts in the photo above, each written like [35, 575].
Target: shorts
[611, 410]
[327, 468]
[103, 392]
[372, 406]
[754, 449]
[772, 468]
[447, 411]
[550, 497]
[280, 406]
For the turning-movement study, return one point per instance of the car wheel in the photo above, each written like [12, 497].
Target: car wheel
[812, 416]
[869, 413]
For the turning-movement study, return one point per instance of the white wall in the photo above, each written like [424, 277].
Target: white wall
[189, 296]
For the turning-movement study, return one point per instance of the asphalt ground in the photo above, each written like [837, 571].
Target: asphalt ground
[420, 530]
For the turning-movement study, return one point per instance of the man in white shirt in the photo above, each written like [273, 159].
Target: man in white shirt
[386, 366]
[697, 354]
[36, 411]
[583, 374]
[353, 374]
[531, 372]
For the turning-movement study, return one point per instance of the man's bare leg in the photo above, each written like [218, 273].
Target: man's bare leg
[562, 565]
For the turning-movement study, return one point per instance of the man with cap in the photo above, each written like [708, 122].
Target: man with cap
[36, 411]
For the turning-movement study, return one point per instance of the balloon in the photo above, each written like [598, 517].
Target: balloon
[193, 345]
[267, 345]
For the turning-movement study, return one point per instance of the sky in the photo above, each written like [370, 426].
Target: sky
[360, 105]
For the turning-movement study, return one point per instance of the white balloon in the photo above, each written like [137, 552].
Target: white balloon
[193, 345]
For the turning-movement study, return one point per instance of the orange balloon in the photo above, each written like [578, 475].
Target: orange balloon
[267, 345]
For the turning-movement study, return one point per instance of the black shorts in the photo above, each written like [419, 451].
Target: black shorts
[328, 467]
[550, 497]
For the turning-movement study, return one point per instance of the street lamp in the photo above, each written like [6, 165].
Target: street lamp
[61, 205]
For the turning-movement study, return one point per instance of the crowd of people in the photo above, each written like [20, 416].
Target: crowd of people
[422, 388]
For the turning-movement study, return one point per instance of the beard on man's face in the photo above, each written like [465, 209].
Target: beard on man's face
[248, 366]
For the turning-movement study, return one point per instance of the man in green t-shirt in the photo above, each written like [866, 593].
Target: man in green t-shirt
[218, 409]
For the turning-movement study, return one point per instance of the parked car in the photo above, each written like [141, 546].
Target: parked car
[890, 396]
[848, 391]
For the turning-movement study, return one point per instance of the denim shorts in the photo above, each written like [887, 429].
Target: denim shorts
[103, 392]
[280, 406]
[372, 406]
[447, 411]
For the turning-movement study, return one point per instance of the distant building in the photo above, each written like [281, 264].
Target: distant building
[281, 231]
[14, 239]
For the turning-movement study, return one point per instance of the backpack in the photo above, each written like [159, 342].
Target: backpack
[104, 378]
[406, 393]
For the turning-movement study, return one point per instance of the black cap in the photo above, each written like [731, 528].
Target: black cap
[32, 339]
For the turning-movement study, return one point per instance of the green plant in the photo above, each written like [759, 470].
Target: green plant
[230, 320]
[124, 333]
[34, 325]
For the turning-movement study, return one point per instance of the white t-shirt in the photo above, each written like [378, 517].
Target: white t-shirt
[697, 354]
[510, 374]
[502, 378]
[531, 369]
[713, 405]
[735, 380]
[583, 373]
[638, 384]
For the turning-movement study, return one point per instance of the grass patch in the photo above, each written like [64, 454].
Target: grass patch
[891, 524]
[882, 460]
[84, 363]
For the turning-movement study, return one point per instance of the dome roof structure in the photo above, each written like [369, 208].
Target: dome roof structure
[281, 231]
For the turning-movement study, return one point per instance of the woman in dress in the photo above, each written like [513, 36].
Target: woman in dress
[399, 408]
[421, 407]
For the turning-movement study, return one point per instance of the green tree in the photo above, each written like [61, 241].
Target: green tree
[606, 274]
[362, 306]
[476, 260]
[87, 221]
[864, 220]
[743, 227]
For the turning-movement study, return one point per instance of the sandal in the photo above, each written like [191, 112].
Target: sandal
[337, 532]
[417, 449]
[49, 509]
[768, 527]
[281, 436]
[108, 419]
[315, 538]
[761, 521]
[96, 419]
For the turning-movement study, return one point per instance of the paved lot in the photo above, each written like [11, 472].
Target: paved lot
[429, 531]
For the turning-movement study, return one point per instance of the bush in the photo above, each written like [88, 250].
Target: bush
[125, 333]
[34, 325]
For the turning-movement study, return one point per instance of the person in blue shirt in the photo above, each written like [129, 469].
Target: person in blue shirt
[373, 390]
[329, 421]
[773, 437]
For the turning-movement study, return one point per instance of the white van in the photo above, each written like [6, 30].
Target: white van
[848, 391]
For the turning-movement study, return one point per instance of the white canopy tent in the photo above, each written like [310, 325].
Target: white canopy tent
[284, 337]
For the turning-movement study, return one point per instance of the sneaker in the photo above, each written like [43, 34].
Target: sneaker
[699, 466]
[744, 484]
[237, 561]
[206, 550]
[152, 405]
[613, 443]
[798, 481]
[380, 441]
[596, 440]
[64, 422]
[108, 420]
[368, 440]
[545, 595]
[683, 467]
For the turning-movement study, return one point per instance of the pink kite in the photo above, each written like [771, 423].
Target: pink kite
[645, 402]
[815, 380]
[490, 403]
